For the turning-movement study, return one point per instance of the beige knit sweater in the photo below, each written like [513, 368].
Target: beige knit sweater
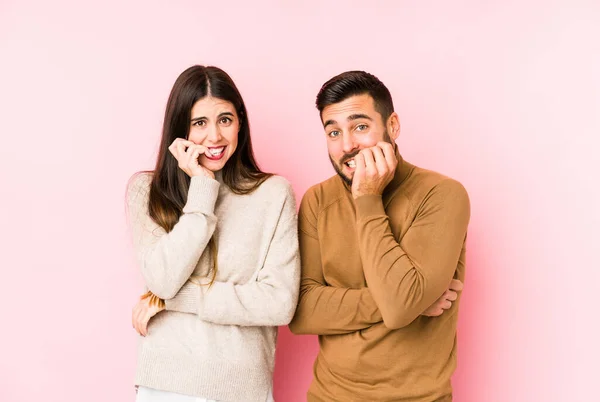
[217, 343]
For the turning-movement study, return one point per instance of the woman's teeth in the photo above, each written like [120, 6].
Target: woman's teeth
[216, 151]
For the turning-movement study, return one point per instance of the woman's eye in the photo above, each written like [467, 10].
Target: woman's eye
[199, 123]
[225, 120]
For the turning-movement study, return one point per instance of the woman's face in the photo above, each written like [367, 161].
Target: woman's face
[215, 125]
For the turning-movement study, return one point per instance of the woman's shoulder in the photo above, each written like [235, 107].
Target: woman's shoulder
[276, 184]
[138, 185]
[140, 179]
[276, 195]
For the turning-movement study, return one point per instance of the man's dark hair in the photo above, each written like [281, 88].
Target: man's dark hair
[352, 83]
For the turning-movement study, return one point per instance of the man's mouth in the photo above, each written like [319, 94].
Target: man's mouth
[215, 153]
[350, 163]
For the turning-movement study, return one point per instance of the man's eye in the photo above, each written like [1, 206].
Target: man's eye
[334, 134]
[361, 127]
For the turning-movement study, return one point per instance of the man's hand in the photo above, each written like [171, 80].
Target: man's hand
[375, 168]
[445, 301]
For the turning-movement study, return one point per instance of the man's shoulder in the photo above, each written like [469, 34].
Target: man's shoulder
[426, 178]
[316, 200]
[323, 194]
[423, 183]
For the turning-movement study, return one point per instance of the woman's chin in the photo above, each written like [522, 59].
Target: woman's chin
[214, 165]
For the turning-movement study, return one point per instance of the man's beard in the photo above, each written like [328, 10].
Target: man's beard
[338, 167]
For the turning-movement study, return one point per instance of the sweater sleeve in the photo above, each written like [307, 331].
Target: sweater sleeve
[270, 300]
[323, 309]
[167, 260]
[406, 277]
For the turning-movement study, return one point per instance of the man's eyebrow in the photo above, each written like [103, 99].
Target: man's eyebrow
[359, 116]
[328, 122]
[350, 118]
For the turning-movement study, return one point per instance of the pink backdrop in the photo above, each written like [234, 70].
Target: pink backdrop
[504, 96]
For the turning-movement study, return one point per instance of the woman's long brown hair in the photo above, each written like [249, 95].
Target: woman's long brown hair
[169, 186]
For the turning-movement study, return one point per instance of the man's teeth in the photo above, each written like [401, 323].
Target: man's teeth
[216, 151]
[351, 164]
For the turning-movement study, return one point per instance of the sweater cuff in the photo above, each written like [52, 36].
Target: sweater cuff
[202, 195]
[369, 205]
[187, 300]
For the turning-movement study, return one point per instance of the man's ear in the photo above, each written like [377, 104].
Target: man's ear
[393, 126]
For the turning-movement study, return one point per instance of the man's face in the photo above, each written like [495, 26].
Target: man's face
[351, 125]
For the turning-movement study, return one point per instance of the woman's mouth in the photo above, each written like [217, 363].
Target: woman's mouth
[215, 153]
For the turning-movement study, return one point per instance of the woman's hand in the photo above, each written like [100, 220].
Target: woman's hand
[187, 154]
[148, 306]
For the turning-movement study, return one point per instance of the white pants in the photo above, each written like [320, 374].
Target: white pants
[145, 394]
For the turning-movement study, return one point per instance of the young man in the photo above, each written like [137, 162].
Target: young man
[383, 257]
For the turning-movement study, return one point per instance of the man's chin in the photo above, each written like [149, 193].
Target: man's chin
[345, 178]
[340, 171]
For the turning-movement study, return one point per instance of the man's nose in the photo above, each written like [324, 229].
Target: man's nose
[349, 144]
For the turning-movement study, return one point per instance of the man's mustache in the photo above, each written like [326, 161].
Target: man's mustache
[349, 156]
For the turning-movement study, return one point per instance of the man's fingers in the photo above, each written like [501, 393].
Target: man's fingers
[370, 166]
[359, 160]
[386, 147]
[456, 285]
[389, 154]
[450, 295]
[380, 162]
[436, 312]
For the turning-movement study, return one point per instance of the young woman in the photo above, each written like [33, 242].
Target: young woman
[216, 240]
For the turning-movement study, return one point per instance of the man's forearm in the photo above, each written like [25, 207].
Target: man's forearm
[327, 310]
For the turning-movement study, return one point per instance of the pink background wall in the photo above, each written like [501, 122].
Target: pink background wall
[504, 96]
